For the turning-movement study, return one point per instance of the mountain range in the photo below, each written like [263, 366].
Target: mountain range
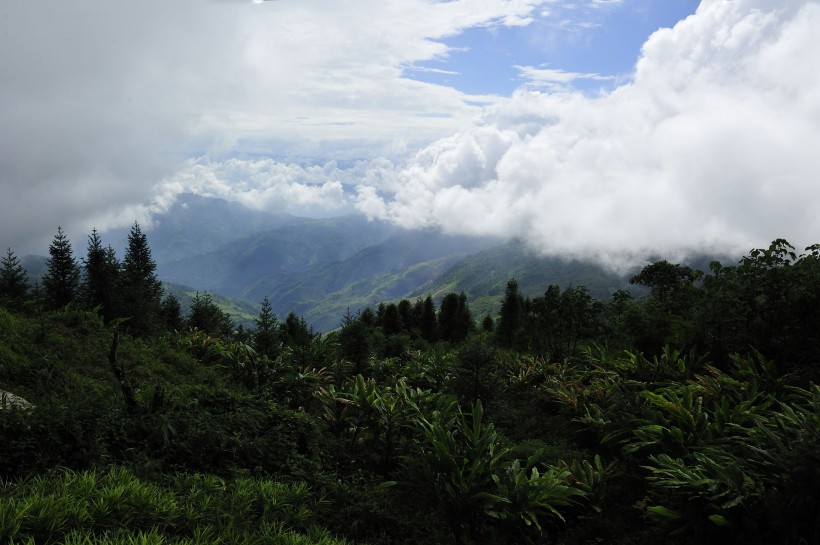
[323, 268]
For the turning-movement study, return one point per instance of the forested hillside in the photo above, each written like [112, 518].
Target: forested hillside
[688, 414]
[320, 268]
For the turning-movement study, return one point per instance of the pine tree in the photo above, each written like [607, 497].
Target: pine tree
[206, 316]
[101, 270]
[391, 320]
[296, 332]
[14, 284]
[408, 320]
[140, 292]
[427, 322]
[298, 336]
[454, 319]
[510, 321]
[266, 335]
[171, 312]
[487, 324]
[62, 279]
[355, 341]
[447, 317]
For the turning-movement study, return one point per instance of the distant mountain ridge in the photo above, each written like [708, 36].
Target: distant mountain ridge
[320, 268]
[195, 224]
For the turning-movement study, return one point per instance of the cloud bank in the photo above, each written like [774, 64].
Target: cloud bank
[713, 145]
[101, 100]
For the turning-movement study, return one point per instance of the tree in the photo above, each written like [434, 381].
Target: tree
[510, 321]
[101, 270]
[171, 312]
[355, 341]
[14, 284]
[667, 281]
[140, 292]
[391, 320]
[266, 335]
[454, 319]
[478, 371]
[205, 315]
[298, 336]
[408, 320]
[673, 294]
[487, 324]
[62, 278]
[296, 331]
[427, 321]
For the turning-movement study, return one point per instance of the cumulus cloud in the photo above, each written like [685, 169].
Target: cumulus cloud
[262, 184]
[102, 100]
[713, 144]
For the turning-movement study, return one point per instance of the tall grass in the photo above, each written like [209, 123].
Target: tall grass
[115, 507]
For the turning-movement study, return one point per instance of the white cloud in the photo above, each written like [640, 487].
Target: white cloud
[555, 77]
[101, 100]
[714, 144]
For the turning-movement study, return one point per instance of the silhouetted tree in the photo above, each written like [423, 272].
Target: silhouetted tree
[101, 271]
[408, 320]
[478, 371]
[206, 316]
[454, 319]
[487, 324]
[171, 312]
[510, 321]
[391, 320]
[355, 341]
[14, 284]
[266, 334]
[296, 331]
[428, 324]
[62, 278]
[140, 292]
[297, 335]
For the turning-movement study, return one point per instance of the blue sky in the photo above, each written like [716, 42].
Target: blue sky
[579, 37]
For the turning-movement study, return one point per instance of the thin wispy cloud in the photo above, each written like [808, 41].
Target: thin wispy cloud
[551, 77]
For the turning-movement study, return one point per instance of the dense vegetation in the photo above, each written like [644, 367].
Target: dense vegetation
[689, 414]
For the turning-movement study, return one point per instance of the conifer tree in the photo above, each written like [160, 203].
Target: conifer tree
[14, 284]
[510, 321]
[266, 335]
[296, 332]
[454, 319]
[487, 324]
[171, 312]
[391, 320]
[408, 320]
[61, 281]
[101, 270]
[298, 336]
[355, 341]
[447, 316]
[427, 322]
[206, 316]
[140, 292]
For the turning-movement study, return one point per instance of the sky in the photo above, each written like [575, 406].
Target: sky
[608, 129]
